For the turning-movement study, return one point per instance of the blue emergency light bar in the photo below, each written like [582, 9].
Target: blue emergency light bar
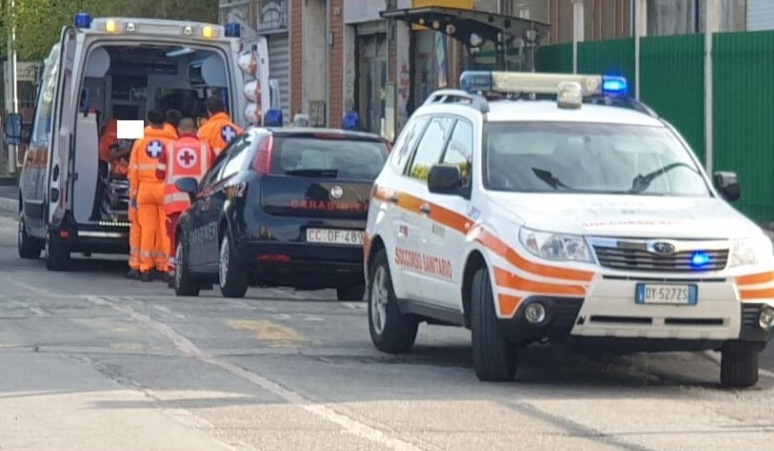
[232, 30]
[273, 118]
[82, 20]
[351, 121]
[540, 83]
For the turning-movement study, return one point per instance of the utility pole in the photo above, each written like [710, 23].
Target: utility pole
[708, 113]
[578, 31]
[12, 77]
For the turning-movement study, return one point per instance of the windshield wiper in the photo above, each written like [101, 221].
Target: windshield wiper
[314, 172]
[549, 178]
[641, 182]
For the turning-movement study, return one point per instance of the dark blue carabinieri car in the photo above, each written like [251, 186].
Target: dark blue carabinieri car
[280, 207]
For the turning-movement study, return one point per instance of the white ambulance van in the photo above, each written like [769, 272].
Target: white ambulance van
[118, 68]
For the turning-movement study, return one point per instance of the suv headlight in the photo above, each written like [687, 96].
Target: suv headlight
[751, 251]
[555, 246]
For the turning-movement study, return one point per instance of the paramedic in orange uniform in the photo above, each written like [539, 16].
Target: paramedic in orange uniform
[186, 157]
[171, 121]
[147, 194]
[219, 130]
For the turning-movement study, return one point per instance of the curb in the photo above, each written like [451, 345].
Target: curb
[8, 205]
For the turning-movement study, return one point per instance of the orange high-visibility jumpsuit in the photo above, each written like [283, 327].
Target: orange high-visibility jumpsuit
[186, 157]
[170, 129]
[218, 132]
[148, 192]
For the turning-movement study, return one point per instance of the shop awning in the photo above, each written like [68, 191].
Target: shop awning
[471, 27]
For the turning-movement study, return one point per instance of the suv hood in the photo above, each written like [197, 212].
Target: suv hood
[627, 216]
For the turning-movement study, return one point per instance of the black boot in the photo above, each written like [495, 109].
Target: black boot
[146, 277]
[133, 274]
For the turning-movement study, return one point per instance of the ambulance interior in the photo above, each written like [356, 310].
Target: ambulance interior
[124, 83]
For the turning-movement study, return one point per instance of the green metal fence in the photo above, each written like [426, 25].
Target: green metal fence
[672, 82]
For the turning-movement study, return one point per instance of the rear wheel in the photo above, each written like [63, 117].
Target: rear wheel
[390, 330]
[29, 248]
[185, 284]
[57, 255]
[494, 357]
[233, 280]
[351, 292]
[739, 366]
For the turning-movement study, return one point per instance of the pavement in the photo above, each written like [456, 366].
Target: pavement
[91, 360]
[9, 198]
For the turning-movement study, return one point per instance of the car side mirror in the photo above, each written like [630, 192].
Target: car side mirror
[727, 183]
[444, 179]
[13, 129]
[188, 185]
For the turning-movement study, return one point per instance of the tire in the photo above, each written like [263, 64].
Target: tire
[351, 293]
[494, 357]
[29, 248]
[390, 331]
[738, 367]
[185, 284]
[233, 281]
[57, 256]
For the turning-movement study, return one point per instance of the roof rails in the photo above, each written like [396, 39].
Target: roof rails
[623, 102]
[458, 96]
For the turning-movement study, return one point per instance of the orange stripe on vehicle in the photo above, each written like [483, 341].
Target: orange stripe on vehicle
[381, 193]
[497, 246]
[451, 219]
[754, 279]
[508, 305]
[764, 293]
[506, 279]
[366, 247]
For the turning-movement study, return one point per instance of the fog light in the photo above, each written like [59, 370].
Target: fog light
[766, 318]
[535, 313]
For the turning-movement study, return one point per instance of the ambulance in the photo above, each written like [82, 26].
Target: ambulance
[119, 68]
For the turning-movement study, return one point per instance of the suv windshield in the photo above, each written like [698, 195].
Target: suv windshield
[588, 157]
[331, 157]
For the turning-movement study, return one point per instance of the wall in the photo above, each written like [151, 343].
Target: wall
[315, 54]
[760, 15]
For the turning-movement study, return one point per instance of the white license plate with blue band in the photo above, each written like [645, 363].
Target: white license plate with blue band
[671, 294]
[332, 236]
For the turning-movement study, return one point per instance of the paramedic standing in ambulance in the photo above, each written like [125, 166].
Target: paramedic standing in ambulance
[219, 130]
[186, 157]
[147, 194]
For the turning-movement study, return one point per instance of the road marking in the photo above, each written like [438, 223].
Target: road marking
[276, 334]
[716, 358]
[186, 347]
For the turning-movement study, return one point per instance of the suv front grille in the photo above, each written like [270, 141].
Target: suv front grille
[642, 260]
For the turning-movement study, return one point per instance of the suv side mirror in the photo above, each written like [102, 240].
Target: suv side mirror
[13, 129]
[188, 185]
[728, 185]
[444, 179]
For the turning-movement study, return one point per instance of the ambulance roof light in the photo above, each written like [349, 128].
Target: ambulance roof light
[232, 30]
[273, 118]
[527, 82]
[82, 20]
[350, 121]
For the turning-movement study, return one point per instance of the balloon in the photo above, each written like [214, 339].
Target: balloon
[253, 114]
[252, 91]
[248, 62]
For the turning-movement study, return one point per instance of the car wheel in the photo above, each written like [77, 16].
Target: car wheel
[57, 255]
[494, 357]
[351, 293]
[185, 284]
[233, 280]
[29, 248]
[738, 366]
[390, 330]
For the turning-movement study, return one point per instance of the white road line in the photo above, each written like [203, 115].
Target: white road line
[716, 358]
[185, 346]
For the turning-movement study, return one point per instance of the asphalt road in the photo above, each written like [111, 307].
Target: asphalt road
[90, 360]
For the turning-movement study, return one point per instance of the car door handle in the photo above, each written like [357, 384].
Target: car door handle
[425, 208]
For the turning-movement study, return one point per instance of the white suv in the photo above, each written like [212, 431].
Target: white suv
[581, 218]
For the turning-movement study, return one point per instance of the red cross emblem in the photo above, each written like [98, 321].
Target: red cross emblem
[187, 158]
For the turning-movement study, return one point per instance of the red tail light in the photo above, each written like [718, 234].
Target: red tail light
[262, 163]
[282, 258]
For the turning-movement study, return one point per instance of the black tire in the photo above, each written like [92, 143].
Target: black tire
[398, 332]
[57, 255]
[739, 367]
[184, 283]
[494, 357]
[354, 292]
[233, 281]
[29, 248]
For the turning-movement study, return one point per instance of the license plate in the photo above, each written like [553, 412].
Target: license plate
[673, 294]
[332, 236]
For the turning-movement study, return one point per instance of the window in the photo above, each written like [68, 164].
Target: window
[590, 158]
[44, 116]
[356, 159]
[460, 149]
[237, 155]
[209, 177]
[407, 141]
[430, 147]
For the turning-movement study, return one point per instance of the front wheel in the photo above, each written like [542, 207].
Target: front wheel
[390, 330]
[233, 280]
[29, 248]
[739, 367]
[57, 255]
[494, 357]
[185, 284]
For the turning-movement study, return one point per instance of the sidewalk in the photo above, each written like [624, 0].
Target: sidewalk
[9, 199]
